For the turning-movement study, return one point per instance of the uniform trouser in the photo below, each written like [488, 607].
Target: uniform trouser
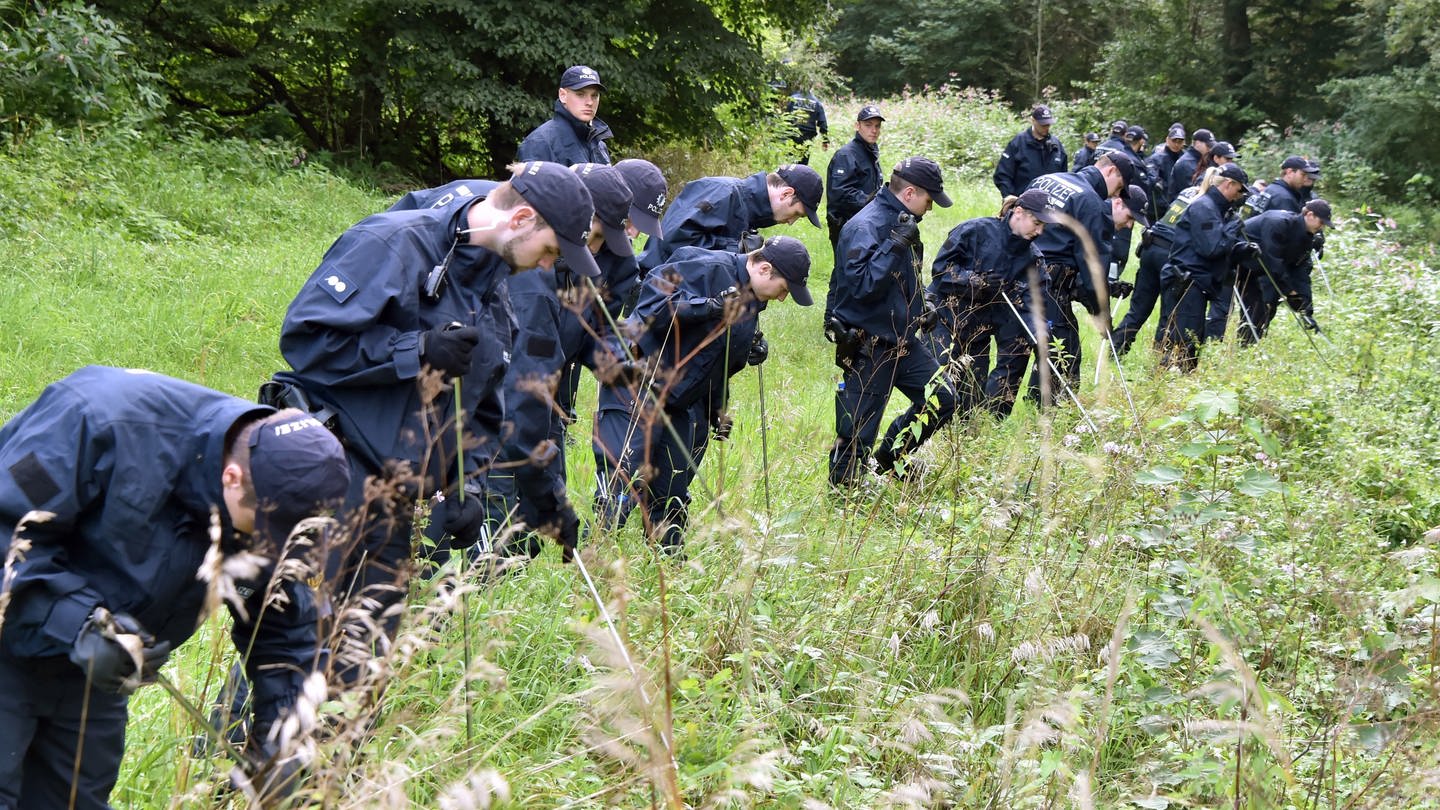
[44, 721]
[1065, 329]
[1185, 330]
[860, 404]
[1142, 302]
[648, 458]
[1218, 313]
[1259, 303]
[961, 343]
[1013, 349]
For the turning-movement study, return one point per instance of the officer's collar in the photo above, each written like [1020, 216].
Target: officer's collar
[757, 200]
[583, 128]
[888, 199]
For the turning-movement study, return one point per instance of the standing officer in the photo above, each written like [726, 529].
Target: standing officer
[1085, 155]
[1081, 195]
[1186, 171]
[695, 326]
[874, 313]
[573, 134]
[715, 212]
[1291, 190]
[1030, 154]
[983, 262]
[1281, 270]
[807, 119]
[109, 484]
[1154, 251]
[1203, 253]
[1217, 313]
[854, 172]
[401, 294]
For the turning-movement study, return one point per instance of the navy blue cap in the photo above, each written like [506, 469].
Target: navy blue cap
[925, 173]
[1037, 202]
[1137, 201]
[868, 113]
[1042, 114]
[1224, 149]
[1177, 130]
[1321, 210]
[612, 196]
[298, 469]
[1306, 165]
[1232, 171]
[580, 76]
[1092, 137]
[1125, 164]
[1136, 131]
[562, 199]
[1204, 136]
[649, 194]
[807, 185]
[792, 261]
[1118, 127]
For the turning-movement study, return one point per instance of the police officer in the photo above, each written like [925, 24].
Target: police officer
[1202, 253]
[1281, 270]
[1116, 141]
[1186, 171]
[401, 294]
[573, 134]
[1154, 251]
[807, 119]
[109, 483]
[1030, 154]
[695, 326]
[715, 212]
[983, 262]
[1081, 195]
[1085, 155]
[1217, 315]
[874, 313]
[854, 172]
[1160, 164]
[1291, 190]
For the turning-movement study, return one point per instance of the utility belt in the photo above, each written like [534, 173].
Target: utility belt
[1153, 239]
[280, 394]
[1063, 279]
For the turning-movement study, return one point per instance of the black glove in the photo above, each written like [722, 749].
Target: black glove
[751, 241]
[720, 426]
[107, 664]
[1307, 320]
[977, 283]
[906, 230]
[929, 314]
[1120, 289]
[1087, 299]
[705, 309]
[1317, 244]
[759, 350]
[447, 349]
[847, 342]
[563, 525]
[462, 520]
[1241, 251]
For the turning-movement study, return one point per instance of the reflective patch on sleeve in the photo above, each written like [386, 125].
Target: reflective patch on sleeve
[339, 287]
[34, 481]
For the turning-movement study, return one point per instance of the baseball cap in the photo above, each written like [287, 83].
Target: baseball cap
[792, 261]
[1204, 136]
[1042, 114]
[807, 185]
[1137, 132]
[1126, 166]
[1177, 130]
[925, 173]
[562, 199]
[1092, 137]
[1321, 210]
[868, 112]
[580, 76]
[298, 469]
[1137, 201]
[1037, 202]
[1118, 127]
[1232, 171]
[1306, 165]
[612, 196]
[649, 194]
[1224, 149]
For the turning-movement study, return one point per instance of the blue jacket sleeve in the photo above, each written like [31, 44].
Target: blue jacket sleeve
[1004, 176]
[844, 188]
[868, 266]
[332, 331]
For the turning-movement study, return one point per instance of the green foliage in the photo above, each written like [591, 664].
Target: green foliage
[67, 64]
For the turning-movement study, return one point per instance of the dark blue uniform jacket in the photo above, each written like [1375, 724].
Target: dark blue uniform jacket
[878, 289]
[1278, 196]
[1182, 174]
[984, 247]
[1285, 245]
[1082, 195]
[1026, 158]
[1202, 241]
[853, 177]
[352, 336]
[129, 463]
[567, 140]
[711, 212]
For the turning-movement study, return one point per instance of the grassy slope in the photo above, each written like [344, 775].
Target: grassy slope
[949, 638]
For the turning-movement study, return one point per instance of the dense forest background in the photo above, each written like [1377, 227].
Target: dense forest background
[440, 88]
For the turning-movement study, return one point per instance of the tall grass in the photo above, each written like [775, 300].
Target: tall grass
[1191, 608]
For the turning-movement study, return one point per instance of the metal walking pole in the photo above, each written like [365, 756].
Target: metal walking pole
[1051, 361]
[459, 409]
[764, 440]
[1250, 322]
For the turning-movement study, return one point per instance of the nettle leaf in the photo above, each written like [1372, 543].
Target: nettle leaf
[1374, 736]
[1159, 475]
[1173, 604]
[1207, 405]
[1153, 649]
[1267, 442]
[1257, 483]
